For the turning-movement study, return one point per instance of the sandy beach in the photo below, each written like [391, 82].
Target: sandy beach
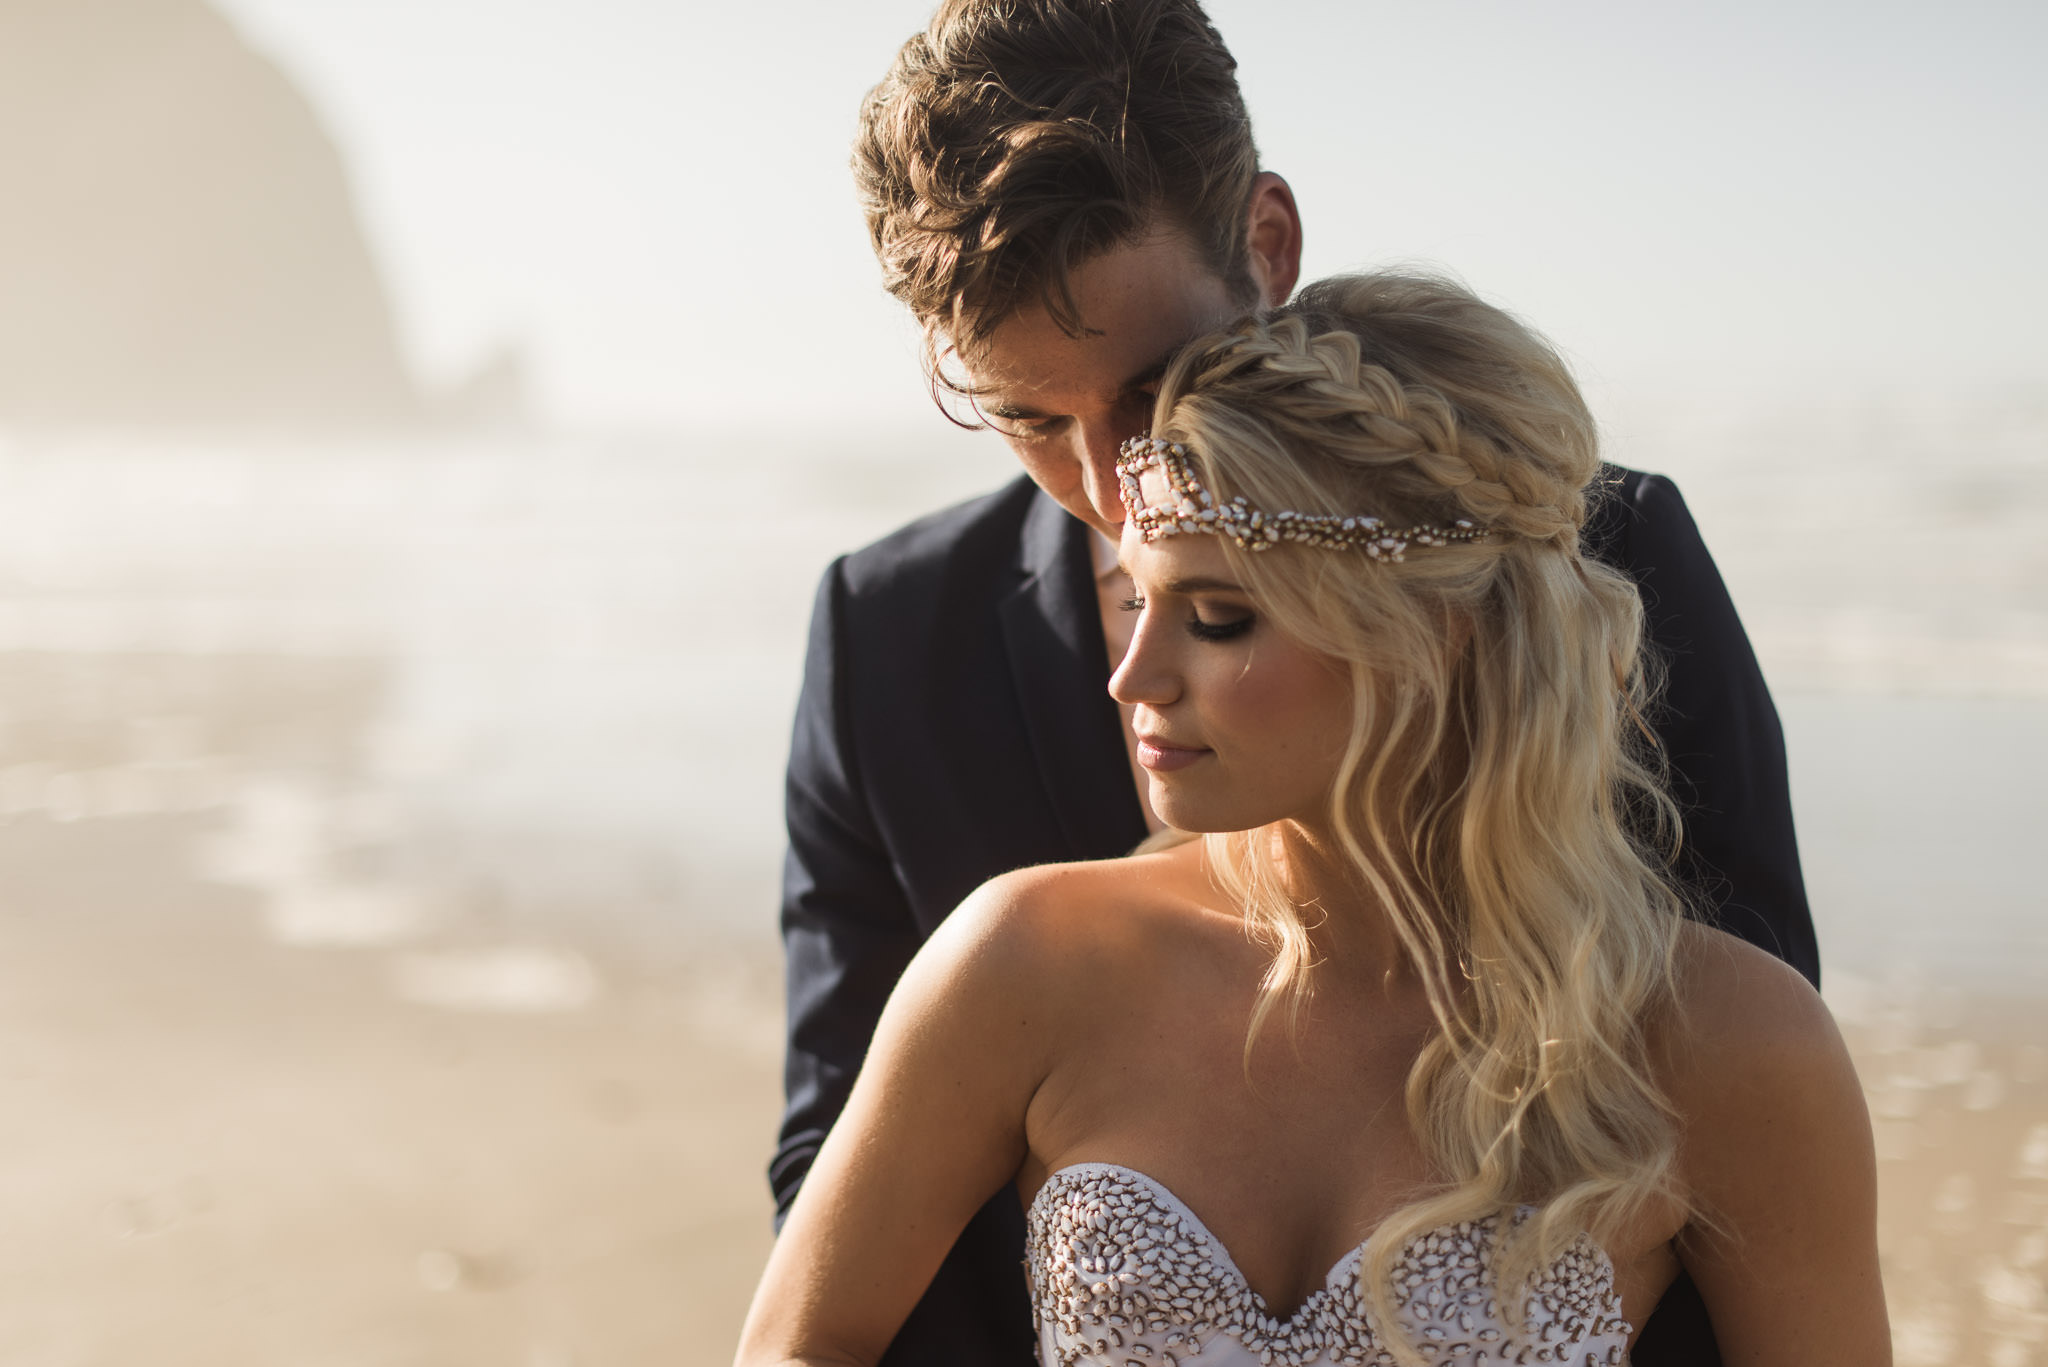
[220, 1151]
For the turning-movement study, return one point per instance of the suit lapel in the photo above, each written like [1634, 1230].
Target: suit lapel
[1053, 631]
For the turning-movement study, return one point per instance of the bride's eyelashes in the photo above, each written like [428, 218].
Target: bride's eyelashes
[1200, 629]
[1218, 631]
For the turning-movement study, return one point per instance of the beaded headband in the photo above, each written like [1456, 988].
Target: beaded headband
[1195, 509]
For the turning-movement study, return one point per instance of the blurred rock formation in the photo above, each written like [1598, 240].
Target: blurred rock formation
[177, 239]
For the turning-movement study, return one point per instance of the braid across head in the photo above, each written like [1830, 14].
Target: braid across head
[1494, 800]
[1432, 397]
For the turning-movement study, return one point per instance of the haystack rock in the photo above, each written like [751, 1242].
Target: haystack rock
[177, 240]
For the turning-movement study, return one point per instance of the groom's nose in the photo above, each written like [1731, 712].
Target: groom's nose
[1099, 445]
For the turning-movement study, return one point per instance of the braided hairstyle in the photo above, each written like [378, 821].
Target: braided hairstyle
[1498, 799]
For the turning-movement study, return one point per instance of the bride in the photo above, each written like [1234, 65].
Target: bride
[1412, 1054]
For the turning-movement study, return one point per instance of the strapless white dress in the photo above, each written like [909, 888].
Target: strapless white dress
[1124, 1275]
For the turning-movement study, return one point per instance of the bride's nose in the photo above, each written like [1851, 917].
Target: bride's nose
[1147, 673]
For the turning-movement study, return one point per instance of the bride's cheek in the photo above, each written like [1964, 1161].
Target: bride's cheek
[1284, 694]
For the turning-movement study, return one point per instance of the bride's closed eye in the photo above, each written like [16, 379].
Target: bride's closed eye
[1199, 627]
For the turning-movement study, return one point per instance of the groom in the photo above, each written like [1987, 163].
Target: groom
[1063, 192]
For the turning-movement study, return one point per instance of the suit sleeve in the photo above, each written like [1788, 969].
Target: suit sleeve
[1721, 734]
[847, 927]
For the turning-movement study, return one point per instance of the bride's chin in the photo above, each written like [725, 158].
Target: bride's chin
[1186, 811]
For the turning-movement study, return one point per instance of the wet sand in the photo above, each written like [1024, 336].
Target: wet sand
[221, 1151]
[1958, 1093]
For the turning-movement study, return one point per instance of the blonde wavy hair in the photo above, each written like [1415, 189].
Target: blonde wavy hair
[1499, 797]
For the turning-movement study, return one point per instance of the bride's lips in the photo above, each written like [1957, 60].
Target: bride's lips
[1162, 757]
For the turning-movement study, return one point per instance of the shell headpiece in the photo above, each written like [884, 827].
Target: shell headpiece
[1194, 509]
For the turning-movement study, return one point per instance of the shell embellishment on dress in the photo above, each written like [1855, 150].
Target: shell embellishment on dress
[1123, 1275]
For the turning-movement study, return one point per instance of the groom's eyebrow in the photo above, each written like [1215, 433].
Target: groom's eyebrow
[1150, 375]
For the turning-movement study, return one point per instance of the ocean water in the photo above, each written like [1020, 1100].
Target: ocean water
[1880, 544]
[547, 680]
[542, 681]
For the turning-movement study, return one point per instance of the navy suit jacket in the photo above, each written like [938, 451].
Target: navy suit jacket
[954, 724]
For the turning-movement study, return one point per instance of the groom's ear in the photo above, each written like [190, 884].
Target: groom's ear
[1273, 239]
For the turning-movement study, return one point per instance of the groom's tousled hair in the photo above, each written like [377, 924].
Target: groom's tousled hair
[1014, 140]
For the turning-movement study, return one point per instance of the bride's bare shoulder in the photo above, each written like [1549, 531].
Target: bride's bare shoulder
[1751, 1058]
[1733, 1003]
[1068, 916]
[1774, 1159]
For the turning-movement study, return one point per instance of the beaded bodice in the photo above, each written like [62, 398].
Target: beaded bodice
[1124, 1275]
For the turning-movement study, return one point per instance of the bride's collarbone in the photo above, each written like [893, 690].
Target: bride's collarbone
[1180, 1031]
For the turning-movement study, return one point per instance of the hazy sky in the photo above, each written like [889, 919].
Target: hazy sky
[651, 199]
